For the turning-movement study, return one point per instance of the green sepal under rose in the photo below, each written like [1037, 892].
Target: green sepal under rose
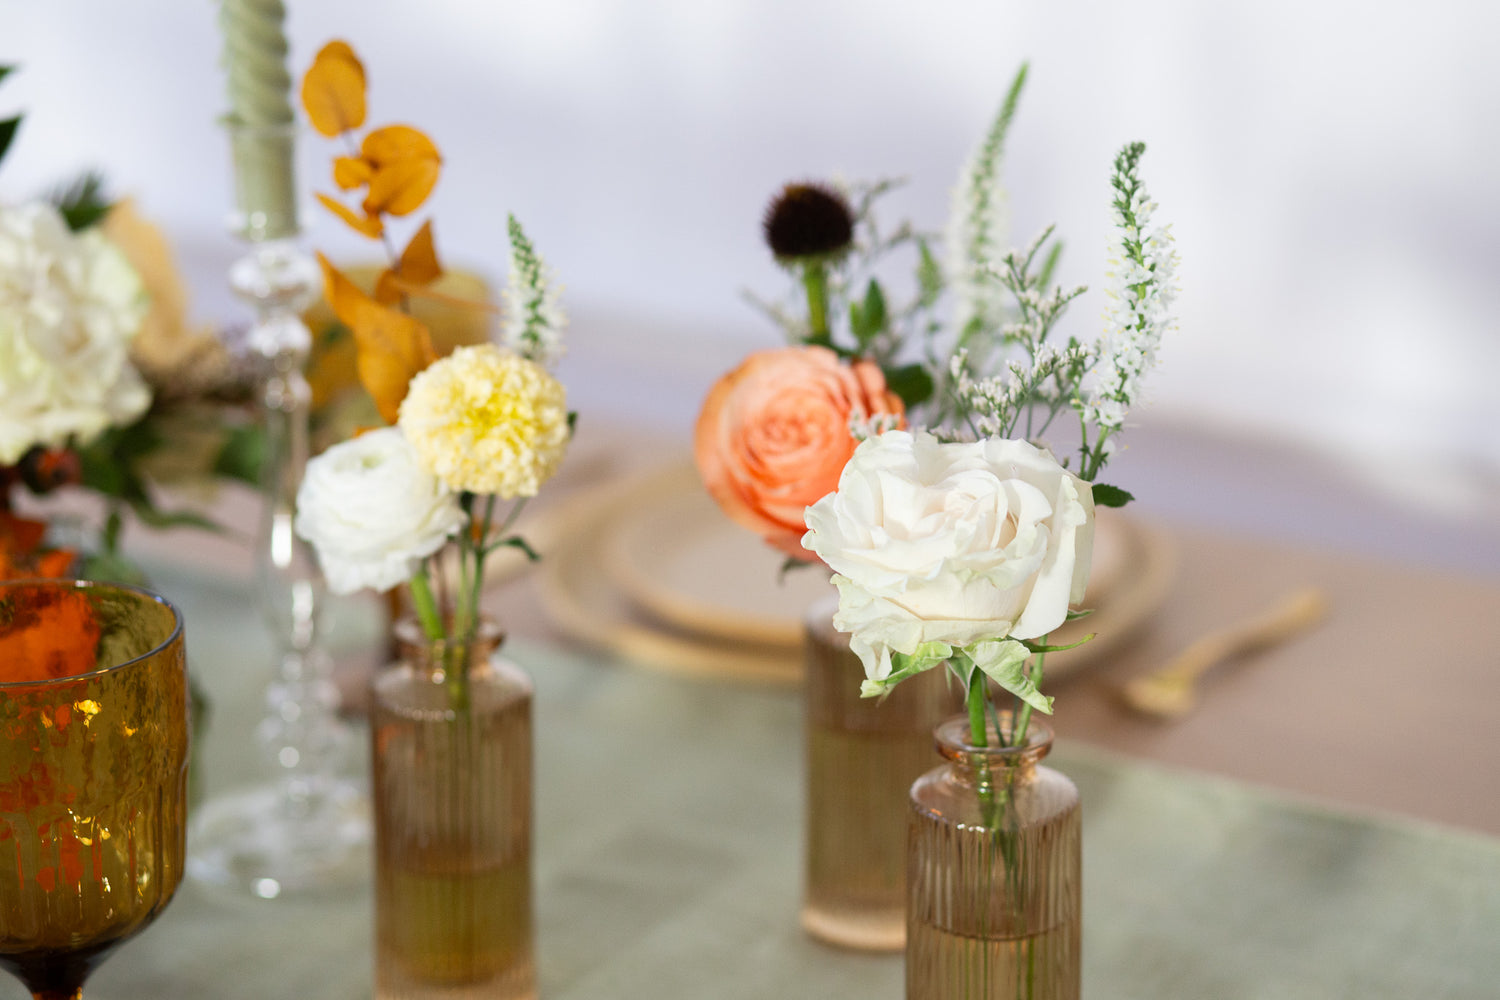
[904, 665]
[1002, 660]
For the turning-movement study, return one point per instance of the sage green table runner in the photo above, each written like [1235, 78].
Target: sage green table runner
[668, 847]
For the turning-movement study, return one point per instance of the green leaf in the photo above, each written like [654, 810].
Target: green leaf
[517, 542]
[1044, 277]
[148, 514]
[1038, 647]
[868, 319]
[1073, 616]
[904, 665]
[7, 133]
[791, 564]
[82, 202]
[1004, 662]
[243, 454]
[929, 274]
[911, 382]
[6, 71]
[1110, 496]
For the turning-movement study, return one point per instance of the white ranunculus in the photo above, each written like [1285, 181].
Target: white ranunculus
[69, 306]
[954, 544]
[371, 512]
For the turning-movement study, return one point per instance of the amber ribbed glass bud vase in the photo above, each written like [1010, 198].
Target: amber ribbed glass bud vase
[994, 874]
[862, 757]
[452, 799]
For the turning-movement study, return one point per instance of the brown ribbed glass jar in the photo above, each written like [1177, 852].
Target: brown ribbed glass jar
[994, 863]
[452, 801]
[862, 756]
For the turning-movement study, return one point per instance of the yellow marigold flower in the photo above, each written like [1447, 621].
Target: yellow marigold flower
[487, 421]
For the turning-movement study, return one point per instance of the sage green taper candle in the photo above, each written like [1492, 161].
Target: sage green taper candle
[260, 119]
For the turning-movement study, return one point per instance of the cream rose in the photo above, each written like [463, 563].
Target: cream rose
[69, 306]
[954, 544]
[371, 512]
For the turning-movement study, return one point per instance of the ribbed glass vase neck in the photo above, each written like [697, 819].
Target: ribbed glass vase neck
[418, 650]
[955, 742]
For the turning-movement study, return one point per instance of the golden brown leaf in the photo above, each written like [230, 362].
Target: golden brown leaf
[370, 226]
[392, 346]
[333, 90]
[386, 292]
[419, 261]
[401, 187]
[350, 172]
[403, 287]
[386, 145]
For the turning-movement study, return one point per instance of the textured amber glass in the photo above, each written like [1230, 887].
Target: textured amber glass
[452, 796]
[993, 909]
[862, 757]
[93, 774]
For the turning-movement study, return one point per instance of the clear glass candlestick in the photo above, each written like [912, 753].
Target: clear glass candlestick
[306, 827]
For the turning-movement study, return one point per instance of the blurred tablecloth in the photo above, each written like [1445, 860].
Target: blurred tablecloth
[667, 859]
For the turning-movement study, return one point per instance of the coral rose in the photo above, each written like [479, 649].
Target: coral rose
[774, 435]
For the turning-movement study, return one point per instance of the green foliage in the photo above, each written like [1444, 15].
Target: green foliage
[9, 126]
[108, 466]
[868, 319]
[243, 454]
[517, 542]
[913, 383]
[8, 129]
[1110, 496]
[1004, 662]
[82, 202]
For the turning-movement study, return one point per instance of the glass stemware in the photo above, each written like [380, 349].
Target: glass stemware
[93, 774]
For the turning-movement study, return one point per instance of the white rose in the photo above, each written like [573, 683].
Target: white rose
[371, 513]
[69, 306]
[957, 544]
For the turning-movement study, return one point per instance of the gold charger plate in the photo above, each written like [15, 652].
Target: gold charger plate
[652, 570]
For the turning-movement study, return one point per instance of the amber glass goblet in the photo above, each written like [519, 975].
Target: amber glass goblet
[93, 774]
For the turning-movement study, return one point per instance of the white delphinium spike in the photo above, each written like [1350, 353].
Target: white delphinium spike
[977, 224]
[533, 319]
[1141, 285]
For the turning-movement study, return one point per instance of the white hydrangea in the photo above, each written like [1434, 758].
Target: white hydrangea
[69, 306]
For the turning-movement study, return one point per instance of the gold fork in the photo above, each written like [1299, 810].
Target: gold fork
[1170, 693]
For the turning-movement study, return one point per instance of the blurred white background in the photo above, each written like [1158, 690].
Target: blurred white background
[1327, 167]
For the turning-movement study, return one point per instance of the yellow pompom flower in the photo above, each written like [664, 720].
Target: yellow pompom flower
[485, 420]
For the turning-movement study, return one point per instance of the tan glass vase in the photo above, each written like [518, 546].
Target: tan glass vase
[862, 757]
[993, 900]
[452, 800]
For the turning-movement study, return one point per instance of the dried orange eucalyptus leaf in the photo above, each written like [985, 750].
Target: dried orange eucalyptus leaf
[351, 172]
[386, 291]
[419, 261]
[370, 226]
[398, 142]
[401, 187]
[392, 346]
[333, 90]
[420, 291]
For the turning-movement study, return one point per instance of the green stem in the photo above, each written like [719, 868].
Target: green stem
[815, 280]
[426, 607]
[977, 727]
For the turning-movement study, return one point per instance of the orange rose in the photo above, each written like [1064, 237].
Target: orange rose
[774, 436]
